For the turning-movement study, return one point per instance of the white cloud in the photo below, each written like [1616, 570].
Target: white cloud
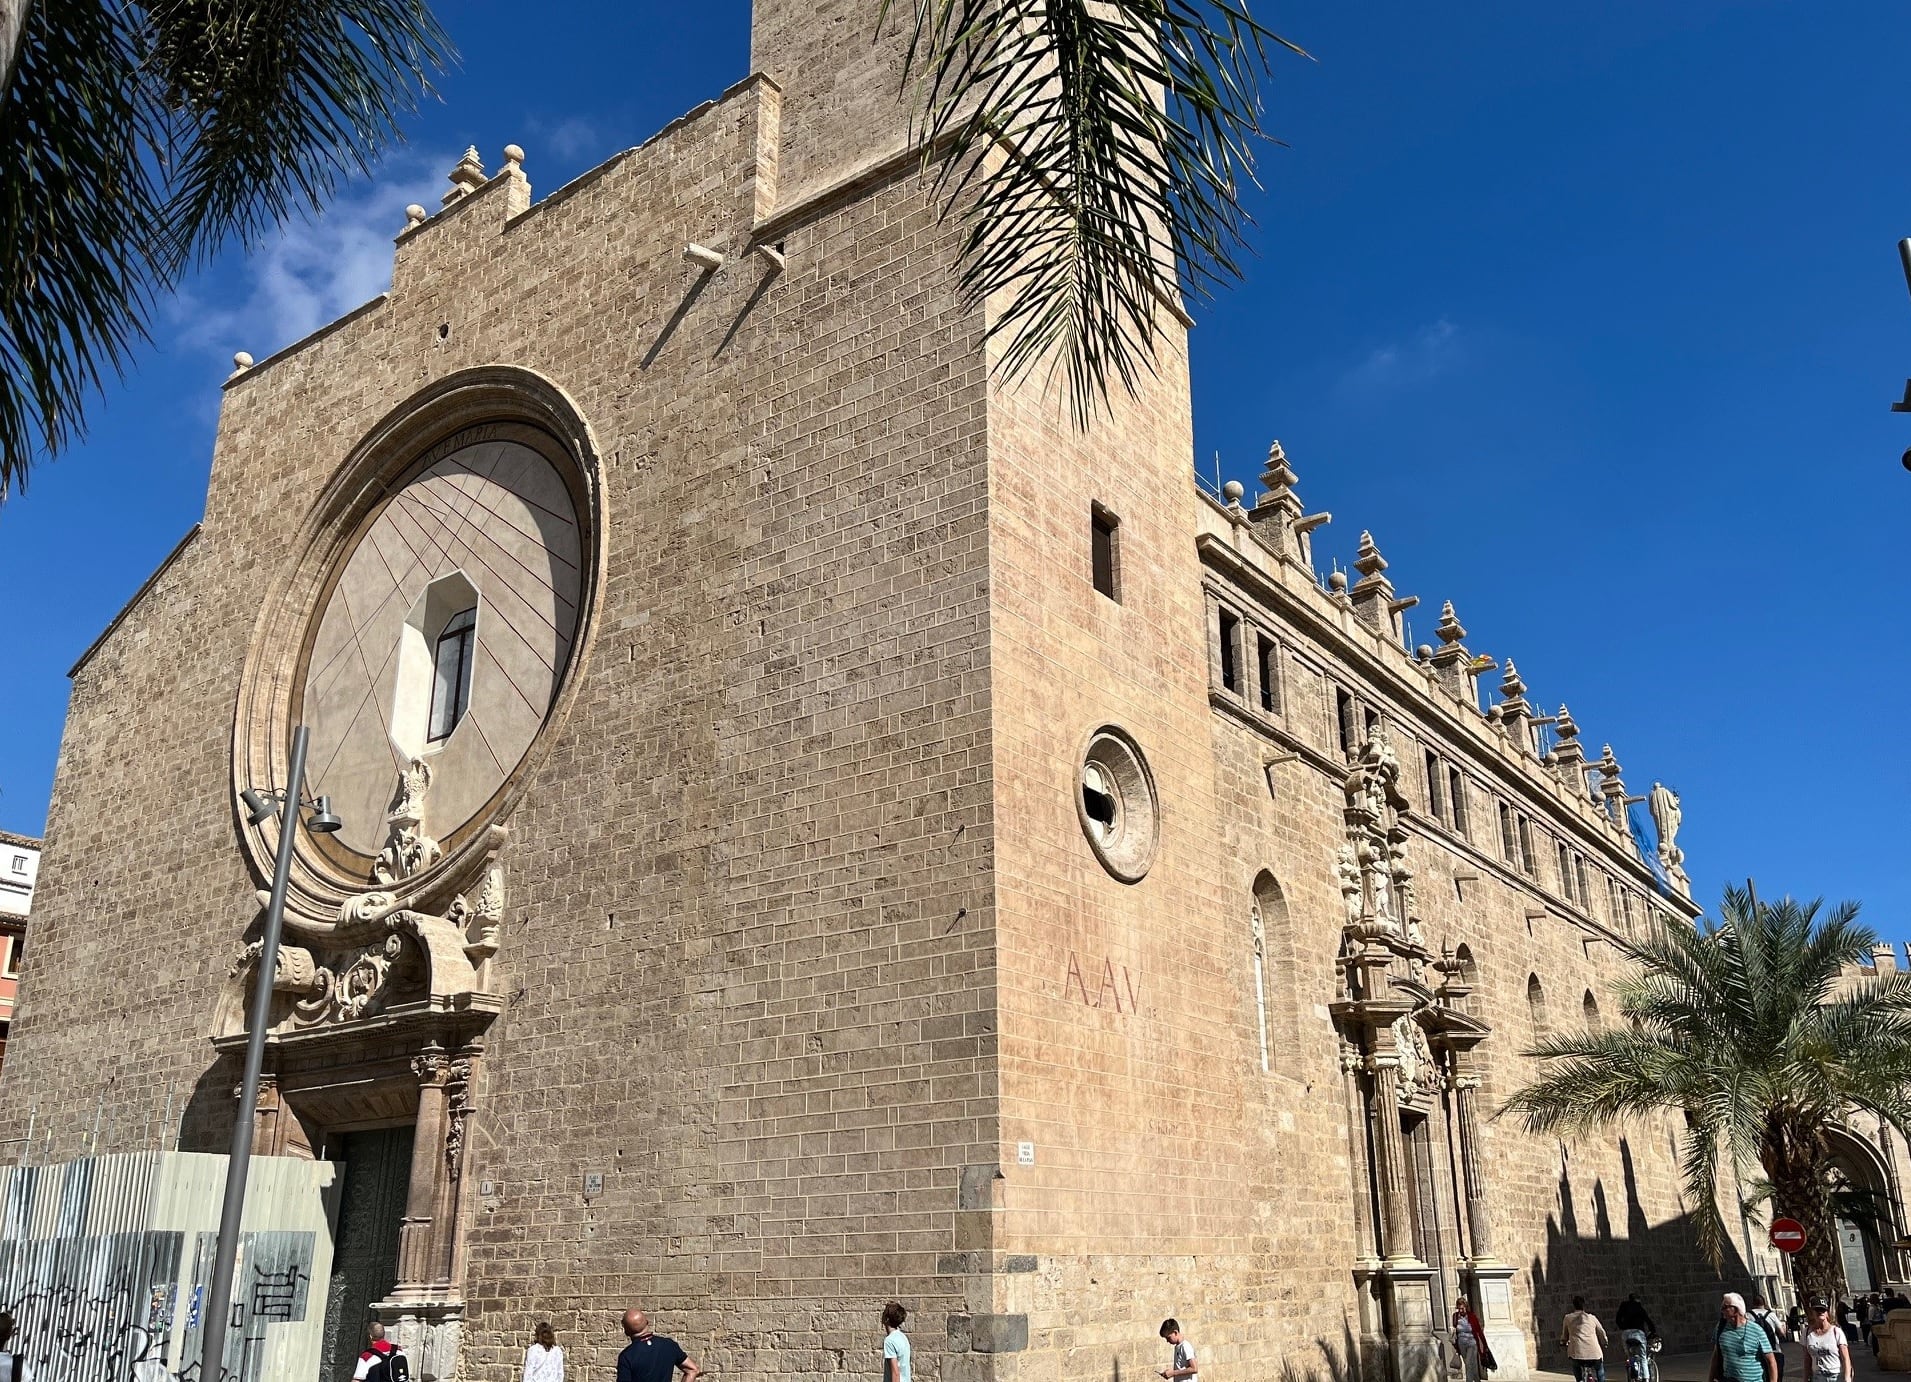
[312, 271]
[1428, 353]
[567, 141]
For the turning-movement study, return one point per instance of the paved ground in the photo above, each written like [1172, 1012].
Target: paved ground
[1692, 1367]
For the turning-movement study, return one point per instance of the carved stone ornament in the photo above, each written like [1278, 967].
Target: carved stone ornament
[402, 959]
[481, 914]
[1414, 1055]
[408, 849]
[1347, 866]
[459, 1109]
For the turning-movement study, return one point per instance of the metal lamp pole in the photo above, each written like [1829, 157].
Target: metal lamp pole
[219, 1301]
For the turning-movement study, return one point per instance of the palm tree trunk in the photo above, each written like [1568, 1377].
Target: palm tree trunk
[1798, 1192]
[13, 25]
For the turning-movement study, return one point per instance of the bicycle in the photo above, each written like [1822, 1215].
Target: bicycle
[1642, 1364]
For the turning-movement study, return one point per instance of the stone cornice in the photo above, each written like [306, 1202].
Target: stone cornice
[1292, 596]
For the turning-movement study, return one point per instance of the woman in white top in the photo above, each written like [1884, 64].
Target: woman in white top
[1825, 1346]
[544, 1360]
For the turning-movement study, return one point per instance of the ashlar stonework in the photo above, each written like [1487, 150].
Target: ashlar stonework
[711, 653]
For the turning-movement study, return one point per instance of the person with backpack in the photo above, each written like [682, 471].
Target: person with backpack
[1742, 1351]
[382, 1360]
[1767, 1319]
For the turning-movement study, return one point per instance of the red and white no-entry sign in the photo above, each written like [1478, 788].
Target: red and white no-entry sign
[1788, 1235]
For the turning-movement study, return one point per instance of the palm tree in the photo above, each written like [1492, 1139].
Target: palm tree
[1098, 149]
[1751, 1029]
[138, 135]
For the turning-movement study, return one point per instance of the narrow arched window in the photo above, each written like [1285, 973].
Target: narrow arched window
[1536, 1004]
[1259, 929]
[451, 673]
[1589, 1007]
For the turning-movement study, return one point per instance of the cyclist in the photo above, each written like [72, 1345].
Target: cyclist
[1636, 1332]
[1584, 1339]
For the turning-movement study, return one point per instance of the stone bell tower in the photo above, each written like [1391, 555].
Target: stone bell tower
[844, 109]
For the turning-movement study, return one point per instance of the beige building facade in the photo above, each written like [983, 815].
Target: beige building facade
[819, 828]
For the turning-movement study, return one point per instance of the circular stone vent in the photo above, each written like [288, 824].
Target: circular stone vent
[1115, 799]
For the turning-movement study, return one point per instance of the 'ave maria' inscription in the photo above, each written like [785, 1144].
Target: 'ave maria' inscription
[1108, 985]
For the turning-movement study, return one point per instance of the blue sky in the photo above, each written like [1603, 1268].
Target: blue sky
[1592, 316]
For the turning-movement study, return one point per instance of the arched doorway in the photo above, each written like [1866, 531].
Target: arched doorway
[1867, 1215]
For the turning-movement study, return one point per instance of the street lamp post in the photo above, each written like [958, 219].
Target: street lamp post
[260, 807]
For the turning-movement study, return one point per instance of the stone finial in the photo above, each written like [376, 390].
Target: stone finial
[1454, 667]
[1278, 516]
[467, 177]
[1515, 711]
[1373, 598]
[1612, 787]
[1569, 755]
[1232, 492]
[513, 158]
[1280, 479]
[241, 362]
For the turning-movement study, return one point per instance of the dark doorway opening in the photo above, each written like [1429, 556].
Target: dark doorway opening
[377, 1177]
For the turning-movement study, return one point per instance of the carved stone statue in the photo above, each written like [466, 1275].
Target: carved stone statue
[408, 849]
[413, 783]
[1663, 803]
[1347, 866]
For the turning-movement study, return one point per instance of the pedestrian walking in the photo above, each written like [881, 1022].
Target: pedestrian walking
[1469, 1339]
[543, 1360]
[1183, 1364]
[1584, 1339]
[381, 1360]
[651, 1357]
[1744, 1352]
[1767, 1319]
[895, 1343]
[1827, 1351]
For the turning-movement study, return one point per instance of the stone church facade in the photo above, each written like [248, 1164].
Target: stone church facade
[819, 828]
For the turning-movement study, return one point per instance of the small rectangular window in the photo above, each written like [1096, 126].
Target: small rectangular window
[16, 950]
[451, 673]
[1528, 865]
[1579, 875]
[1565, 858]
[1230, 651]
[19, 863]
[1436, 787]
[1267, 666]
[1456, 795]
[1509, 847]
[1101, 538]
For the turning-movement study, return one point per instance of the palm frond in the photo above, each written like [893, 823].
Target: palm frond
[1098, 149]
[1699, 1172]
[78, 214]
[1757, 1031]
[271, 101]
[136, 137]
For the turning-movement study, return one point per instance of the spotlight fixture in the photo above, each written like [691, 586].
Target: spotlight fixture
[260, 806]
[323, 822]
